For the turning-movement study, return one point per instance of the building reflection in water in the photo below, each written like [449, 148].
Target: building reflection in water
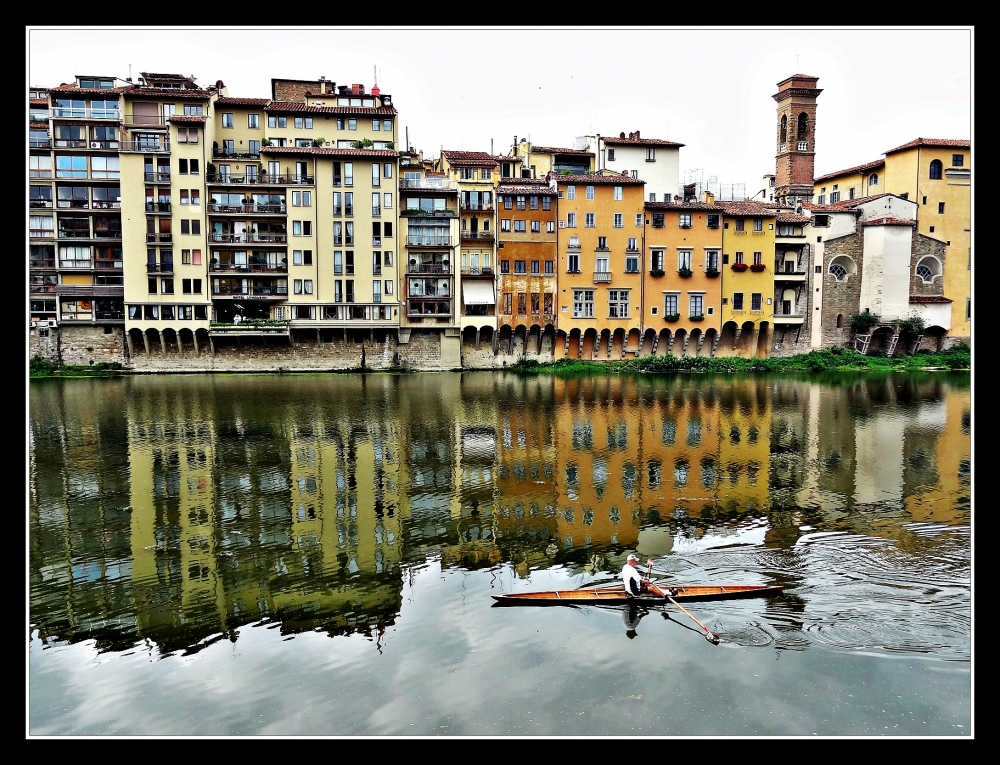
[177, 509]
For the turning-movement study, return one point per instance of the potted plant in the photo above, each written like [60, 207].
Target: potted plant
[390, 145]
[656, 272]
[684, 273]
[319, 142]
[739, 267]
[266, 142]
[672, 317]
[864, 322]
[757, 267]
[696, 317]
[711, 273]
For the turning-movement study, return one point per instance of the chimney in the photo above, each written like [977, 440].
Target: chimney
[622, 134]
[637, 135]
[708, 198]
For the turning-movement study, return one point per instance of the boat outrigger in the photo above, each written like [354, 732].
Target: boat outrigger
[654, 596]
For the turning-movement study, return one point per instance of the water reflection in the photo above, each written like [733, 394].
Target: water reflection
[177, 509]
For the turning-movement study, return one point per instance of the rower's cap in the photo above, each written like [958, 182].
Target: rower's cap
[632, 557]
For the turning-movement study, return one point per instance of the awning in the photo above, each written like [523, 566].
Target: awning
[478, 293]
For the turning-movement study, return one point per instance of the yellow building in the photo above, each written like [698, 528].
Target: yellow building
[538, 161]
[935, 173]
[682, 285]
[748, 239]
[528, 214]
[600, 249]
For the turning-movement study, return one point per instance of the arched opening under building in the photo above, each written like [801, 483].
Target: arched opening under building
[663, 343]
[589, 344]
[727, 339]
[763, 340]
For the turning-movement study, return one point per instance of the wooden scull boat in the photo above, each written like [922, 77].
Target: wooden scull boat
[653, 597]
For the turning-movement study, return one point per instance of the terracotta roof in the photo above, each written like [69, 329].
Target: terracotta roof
[293, 106]
[532, 181]
[556, 150]
[612, 179]
[170, 93]
[521, 188]
[683, 206]
[929, 299]
[630, 141]
[848, 204]
[888, 221]
[478, 158]
[745, 208]
[857, 169]
[38, 101]
[789, 217]
[227, 101]
[187, 118]
[67, 88]
[330, 152]
[958, 143]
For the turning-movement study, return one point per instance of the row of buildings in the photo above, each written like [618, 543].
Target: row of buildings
[175, 226]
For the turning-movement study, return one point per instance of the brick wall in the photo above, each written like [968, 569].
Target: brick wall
[78, 346]
[841, 297]
[921, 247]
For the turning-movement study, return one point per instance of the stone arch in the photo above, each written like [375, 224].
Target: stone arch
[842, 267]
[589, 344]
[186, 341]
[575, 344]
[789, 298]
[468, 338]
[547, 341]
[632, 342]
[840, 321]
[728, 338]
[506, 336]
[694, 340]
[783, 131]
[710, 342]
[137, 343]
[617, 344]
[168, 337]
[203, 341]
[560, 350]
[881, 339]
[518, 340]
[746, 343]
[933, 339]
[663, 342]
[486, 336]
[603, 346]
[154, 341]
[648, 343]
[679, 346]
[928, 269]
[533, 340]
[803, 127]
[763, 340]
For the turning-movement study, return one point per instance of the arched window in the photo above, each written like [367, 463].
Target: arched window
[936, 170]
[873, 179]
[784, 129]
[840, 320]
[838, 271]
[928, 268]
[803, 126]
[842, 266]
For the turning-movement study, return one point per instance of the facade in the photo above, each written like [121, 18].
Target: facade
[655, 160]
[539, 161]
[528, 211]
[793, 284]
[683, 288]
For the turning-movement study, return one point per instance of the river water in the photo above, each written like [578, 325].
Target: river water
[315, 554]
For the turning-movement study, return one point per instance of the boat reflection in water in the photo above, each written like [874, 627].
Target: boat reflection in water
[177, 509]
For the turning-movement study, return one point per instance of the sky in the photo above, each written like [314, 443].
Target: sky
[476, 88]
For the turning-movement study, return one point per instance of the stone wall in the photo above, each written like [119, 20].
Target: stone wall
[78, 345]
[921, 247]
[841, 297]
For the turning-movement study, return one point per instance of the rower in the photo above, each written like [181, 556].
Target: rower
[635, 583]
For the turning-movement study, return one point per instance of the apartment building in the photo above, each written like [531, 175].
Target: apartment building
[539, 161]
[655, 160]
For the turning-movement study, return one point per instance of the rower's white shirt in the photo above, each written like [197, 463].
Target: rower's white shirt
[628, 574]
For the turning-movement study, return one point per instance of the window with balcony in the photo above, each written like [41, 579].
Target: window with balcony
[670, 305]
[696, 305]
[684, 260]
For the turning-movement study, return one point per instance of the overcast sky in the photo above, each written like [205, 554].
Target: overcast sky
[463, 88]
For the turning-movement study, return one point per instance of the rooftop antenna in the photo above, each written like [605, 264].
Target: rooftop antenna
[796, 62]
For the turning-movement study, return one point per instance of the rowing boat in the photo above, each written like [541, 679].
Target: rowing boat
[654, 596]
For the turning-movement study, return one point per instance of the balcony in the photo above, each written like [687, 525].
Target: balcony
[145, 147]
[106, 263]
[160, 268]
[76, 264]
[789, 318]
[43, 289]
[428, 307]
[260, 179]
[573, 245]
[149, 120]
[218, 153]
[248, 268]
[61, 113]
[602, 277]
[228, 291]
[783, 275]
[158, 207]
[483, 237]
[34, 203]
[90, 290]
[476, 207]
[85, 143]
[42, 262]
[444, 240]
[250, 328]
[162, 176]
[427, 184]
[39, 143]
[152, 238]
[247, 237]
[428, 268]
[480, 271]
[247, 209]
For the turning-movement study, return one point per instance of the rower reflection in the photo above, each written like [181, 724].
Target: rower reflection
[631, 615]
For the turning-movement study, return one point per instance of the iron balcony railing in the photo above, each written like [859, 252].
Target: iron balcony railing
[249, 268]
[222, 289]
[224, 153]
[428, 268]
[145, 147]
[42, 263]
[428, 241]
[158, 206]
[290, 179]
[162, 176]
[478, 271]
[258, 209]
[480, 206]
[105, 263]
[433, 184]
[64, 112]
[159, 237]
[248, 238]
[160, 268]
[477, 236]
[38, 143]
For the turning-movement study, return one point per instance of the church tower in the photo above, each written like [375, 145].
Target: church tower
[796, 157]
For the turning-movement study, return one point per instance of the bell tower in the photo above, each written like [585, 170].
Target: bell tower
[796, 155]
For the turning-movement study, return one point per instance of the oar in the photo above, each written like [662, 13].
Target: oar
[710, 636]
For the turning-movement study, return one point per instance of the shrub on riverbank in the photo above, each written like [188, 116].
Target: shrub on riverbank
[827, 360]
[39, 367]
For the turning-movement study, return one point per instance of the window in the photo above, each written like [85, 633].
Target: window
[755, 301]
[570, 220]
[618, 304]
[253, 121]
[534, 267]
[657, 220]
[573, 264]
[227, 119]
[957, 160]
[536, 227]
[619, 220]
[185, 226]
[583, 303]
[167, 287]
[590, 192]
[40, 167]
[505, 224]
[505, 266]
[590, 220]
[348, 174]
[72, 166]
[656, 260]
[684, 260]
[696, 305]
[571, 192]
[601, 266]
[297, 287]
[670, 305]
[533, 202]
[519, 267]
[633, 243]
[549, 267]
[193, 110]
[546, 203]
[873, 179]
[376, 203]
[758, 258]
[348, 203]
[940, 208]
[602, 243]
[550, 227]
[631, 264]
[821, 221]
[611, 155]
[151, 285]
[834, 198]
[619, 192]
[737, 301]
[348, 232]
[935, 173]
[740, 223]
[519, 227]
[352, 124]
[520, 201]
[739, 257]
[338, 261]
[684, 220]
[758, 224]
[712, 260]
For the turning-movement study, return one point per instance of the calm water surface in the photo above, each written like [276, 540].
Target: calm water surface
[237, 555]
